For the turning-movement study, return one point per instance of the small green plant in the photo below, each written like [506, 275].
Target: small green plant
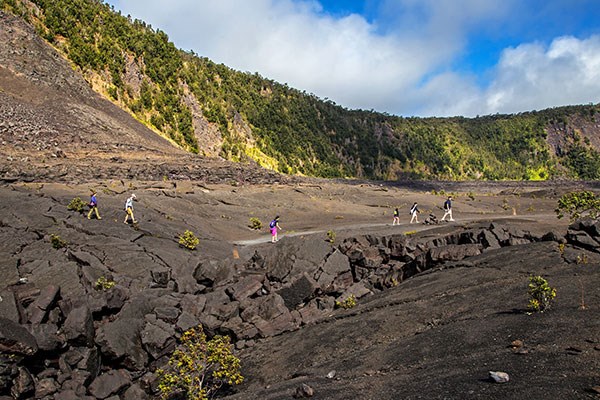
[582, 259]
[471, 196]
[77, 205]
[346, 304]
[255, 224]
[104, 284]
[540, 293]
[409, 233]
[331, 236]
[199, 367]
[188, 240]
[505, 205]
[561, 249]
[577, 204]
[57, 241]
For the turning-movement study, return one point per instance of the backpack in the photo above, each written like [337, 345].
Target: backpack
[273, 224]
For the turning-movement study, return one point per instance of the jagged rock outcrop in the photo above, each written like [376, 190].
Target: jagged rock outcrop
[103, 342]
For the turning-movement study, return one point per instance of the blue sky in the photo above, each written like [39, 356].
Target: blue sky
[403, 57]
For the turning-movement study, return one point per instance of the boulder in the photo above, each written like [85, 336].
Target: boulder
[341, 282]
[397, 245]
[294, 258]
[488, 240]
[158, 338]
[298, 292]
[453, 252]
[499, 376]
[46, 336]
[109, 383]
[160, 276]
[239, 329]
[282, 323]
[78, 381]
[245, 287]
[500, 234]
[39, 309]
[357, 290]
[553, 236]
[89, 360]
[193, 304]
[468, 237]
[135, 392]
[119, 340]
[311, 313]
[211, 273]
[115, 297]
[582, 239]
[335, 264]
[168, 313]
[304, 391]
[23, 385]
[45, 387]
[218, 304]
[186, 321]
[16, 339]
[69, 394]
[8, 306]
[79, 326]
[268, 308]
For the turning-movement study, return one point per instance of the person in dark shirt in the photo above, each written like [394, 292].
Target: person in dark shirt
[448, 209]
[396, 220]
[93, 206]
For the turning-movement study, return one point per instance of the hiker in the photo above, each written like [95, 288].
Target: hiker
[129, 209]
[396, 217]
[93, 205]
[414, 211]
[448, 209]
[274, 226]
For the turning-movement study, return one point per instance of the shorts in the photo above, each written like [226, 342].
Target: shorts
[273, 231]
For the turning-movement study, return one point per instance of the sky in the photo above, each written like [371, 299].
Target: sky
[402, 57]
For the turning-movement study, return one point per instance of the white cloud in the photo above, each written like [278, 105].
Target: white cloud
[531, 76]
[400, 64]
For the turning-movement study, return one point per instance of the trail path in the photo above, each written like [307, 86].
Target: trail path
[403, 227]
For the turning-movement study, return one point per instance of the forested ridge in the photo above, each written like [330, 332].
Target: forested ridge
[211, 109]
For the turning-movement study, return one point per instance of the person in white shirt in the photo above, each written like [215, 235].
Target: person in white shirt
[129, 209]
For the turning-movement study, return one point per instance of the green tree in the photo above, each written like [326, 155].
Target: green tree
[199, 367]
[540, 294]
[578, 204]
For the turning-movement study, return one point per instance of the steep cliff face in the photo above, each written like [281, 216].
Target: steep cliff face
[46, 105]
[563, 133]
[53, 126]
